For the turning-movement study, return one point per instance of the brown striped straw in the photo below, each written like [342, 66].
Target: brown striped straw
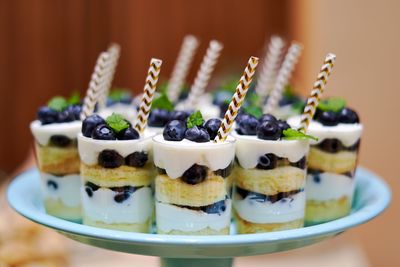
[237, 100]
[316, 92]
[284, 75]
[96, 85]
[182, 66]
[148, 94]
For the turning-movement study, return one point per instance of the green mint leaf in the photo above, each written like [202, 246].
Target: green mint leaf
[292, 134]
[117, 122]
[254, 99]
[163, 87]
[195, 119]
[58, 103]
[254, 111]
[162, 102]
[334, 104]
[289, 92]
[298, 106]
[117, 94]
[74, 99]
[230, 85]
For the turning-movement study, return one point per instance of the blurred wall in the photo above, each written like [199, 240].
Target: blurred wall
[365, 36]
[49, 47]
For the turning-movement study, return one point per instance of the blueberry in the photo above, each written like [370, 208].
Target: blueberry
[90, 123]
[242, 116]
[174, 130]
[348, 116]
[316, 178]
[283, 125]
[128, 134]
[195, 174]
[110, 159]
[268, 130]
[212, 126]
[60, 140]
[328, 118]
[89, 191]
[301, 164]
[90, 188]
[224, 172]
[123, 192]
[103, 132]
[267, 117]
[223, 107]
[65, 116]
[331, 145]
[179, 115]
[248, 125]
[137, 159]
[197, 134]
[75, 111]
[267, 162]
[121, 197]
[159, 117]
[47, 115]
[52, 184]
[215, 208]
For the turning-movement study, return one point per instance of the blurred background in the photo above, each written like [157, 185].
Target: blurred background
[49, 47]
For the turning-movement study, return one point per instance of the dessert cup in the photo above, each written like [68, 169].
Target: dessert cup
[192, 195]
[58, 161]
[269, 184]
[116, 183]
[332, 162]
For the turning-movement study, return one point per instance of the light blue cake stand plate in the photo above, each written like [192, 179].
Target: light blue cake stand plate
[371, 198]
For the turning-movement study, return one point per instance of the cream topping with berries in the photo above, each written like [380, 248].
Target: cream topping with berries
[43, 133]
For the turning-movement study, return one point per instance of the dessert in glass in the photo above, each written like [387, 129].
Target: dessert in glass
[117, 173]
[55, 132]
[269, 176]
[332, 161]
[192, 195]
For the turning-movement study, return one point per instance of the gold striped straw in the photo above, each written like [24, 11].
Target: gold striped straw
[237, 100]
[270, 67]
[148, 94]
[182, 65]
[316, 92]
[96, 85]
[204, 73]
[284, 75]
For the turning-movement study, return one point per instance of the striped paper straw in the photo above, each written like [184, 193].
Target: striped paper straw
[284, 75]
[182, 65]
[270, 67]
[204, 73]
[96, 84]
[148, 94]
[316, 92]
[237, 100]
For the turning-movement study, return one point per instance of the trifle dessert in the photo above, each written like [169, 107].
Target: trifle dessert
[270, 175]
[192, 196]
[332, 160]
[55, 132]
[117, 172]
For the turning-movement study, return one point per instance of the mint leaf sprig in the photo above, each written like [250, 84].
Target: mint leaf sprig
[162, 102]
[254, 111]
[117, 122]
[195, 119]
[334, 104]
[74, 99]
[292, 134]
[58, 103]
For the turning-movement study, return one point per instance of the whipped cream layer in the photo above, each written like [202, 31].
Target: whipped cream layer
[67, 191]
[43, 133]
[209, 111]
[249, 148]
[102, 207]
[89, 148]
[348, 134]
[171, 217]
[284, 210]
[127, 111]
[178, 156]
[330, 186]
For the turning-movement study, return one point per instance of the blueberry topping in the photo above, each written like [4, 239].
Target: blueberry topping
[215, 208]
[348, 116]
[47, 115]
[103, 132]
[128, 134]
[89, 191]
[174, 130]
[212, 126]
[197, 134]
[60, 140]
[195, 174]
[137, 159]
[90, 123]
[110, 159]
[268, 130]
[327, 118]
[331, 145]
[267, 162]
[316, 177]
[75, 111]
[179, 115]
[258, 197]
[301, 164]
[242, 116]
[224, 172]
[267, 117]
[90, 188]
[159, 117]
[52, 185]
[283, 125]
[247, 125]
[65, 116]
[121, 197]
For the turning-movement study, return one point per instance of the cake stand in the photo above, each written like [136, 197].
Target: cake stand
[371, 198]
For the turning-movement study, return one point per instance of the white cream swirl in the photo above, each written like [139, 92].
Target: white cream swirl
[43, 133]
